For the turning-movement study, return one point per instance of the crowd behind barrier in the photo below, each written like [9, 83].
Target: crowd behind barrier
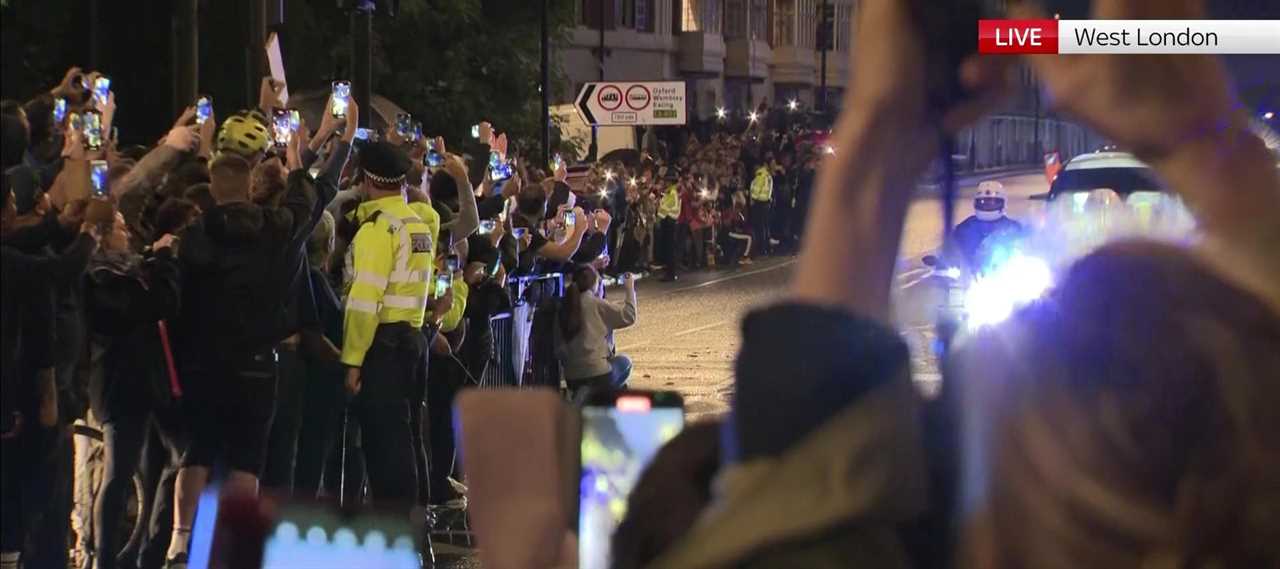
[227, 305]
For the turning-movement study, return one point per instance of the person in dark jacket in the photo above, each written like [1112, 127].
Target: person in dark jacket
[240, 269]
[126, 297]
[29, 397]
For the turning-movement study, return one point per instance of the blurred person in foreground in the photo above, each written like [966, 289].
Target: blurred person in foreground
[1128, 419]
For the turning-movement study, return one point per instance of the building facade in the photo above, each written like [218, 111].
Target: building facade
[739, 54]
[734, 54]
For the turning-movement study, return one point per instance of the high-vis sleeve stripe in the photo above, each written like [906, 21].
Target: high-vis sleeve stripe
[362, 305]
[408, 276]
[405, 302]
[371, 279]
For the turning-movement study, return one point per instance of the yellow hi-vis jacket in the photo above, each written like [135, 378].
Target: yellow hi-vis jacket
[762, 185]
[669, 206]
[392, 259]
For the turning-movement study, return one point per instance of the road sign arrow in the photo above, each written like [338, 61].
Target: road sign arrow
[584, 99]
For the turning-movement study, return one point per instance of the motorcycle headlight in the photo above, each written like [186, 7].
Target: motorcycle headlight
[1019, 280]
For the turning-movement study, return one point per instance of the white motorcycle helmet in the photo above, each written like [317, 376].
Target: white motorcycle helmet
[988, 203]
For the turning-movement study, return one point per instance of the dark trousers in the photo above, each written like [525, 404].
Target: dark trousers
[161, 458]
[760, 225]
[441, 390]
[282, 443]
[391, 367]
[34, 465]
[321, 423]
[52, 497]
[666, 245]
[124, 438]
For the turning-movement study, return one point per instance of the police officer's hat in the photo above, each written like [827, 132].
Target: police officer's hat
[384, 163]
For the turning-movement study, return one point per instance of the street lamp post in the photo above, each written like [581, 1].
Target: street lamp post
[362, 59]
[546, 85]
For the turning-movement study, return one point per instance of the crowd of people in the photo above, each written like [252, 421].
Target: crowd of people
[724, 202]
[241, 302]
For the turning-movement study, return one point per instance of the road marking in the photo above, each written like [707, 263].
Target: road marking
[676, 335]
[734, 277]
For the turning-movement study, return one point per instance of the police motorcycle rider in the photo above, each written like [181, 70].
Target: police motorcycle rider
[988, 220]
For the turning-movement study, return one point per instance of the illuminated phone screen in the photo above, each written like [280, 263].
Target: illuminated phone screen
[618, 441]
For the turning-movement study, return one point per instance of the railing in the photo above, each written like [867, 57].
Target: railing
[523, 355]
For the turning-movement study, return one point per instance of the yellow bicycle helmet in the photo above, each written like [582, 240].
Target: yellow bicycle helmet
[243, 134]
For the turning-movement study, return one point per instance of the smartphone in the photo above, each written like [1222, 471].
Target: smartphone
[621, 432]
[451, 263]
[404, 125]
[98, 176]
[341, 96]
[556, 163]
[570, 219]
[417, 131]
[500, 173]
[433, 159]
[281, 127]
[74, 121]
[295, 120]
[91, 127]
[204, 108]
[59, 110]
[365, 134]
[309, 534]
[102, 89]
[487, 226]
[475, 131]
[519, 232]
[444, 280]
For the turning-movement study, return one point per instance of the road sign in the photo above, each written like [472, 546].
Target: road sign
[651, 102]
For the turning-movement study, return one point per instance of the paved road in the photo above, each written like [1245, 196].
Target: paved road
[688, 331]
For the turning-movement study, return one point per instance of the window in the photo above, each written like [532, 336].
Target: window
[759, 20]
[700, 16]
[589, 14]
[844, 28]
[808, 24]
[784, 23]
[735, 19]
[644, 16]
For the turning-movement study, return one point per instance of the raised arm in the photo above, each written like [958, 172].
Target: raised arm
[1179, 114]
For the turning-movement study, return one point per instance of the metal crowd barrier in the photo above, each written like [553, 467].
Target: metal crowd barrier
[523, 351]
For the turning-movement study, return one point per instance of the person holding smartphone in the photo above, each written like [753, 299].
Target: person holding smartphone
[586, 325]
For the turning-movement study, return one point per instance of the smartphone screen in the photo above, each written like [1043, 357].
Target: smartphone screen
[444, 280]
[59, 110]
[204, 109]
[475, 131]
[500, 173]
[91, 125]
[556, 163]
[281, 126]
[451, 263]
[341, 95]
[365, 134]
[102, 89]
[98, 176]
[308, 535]
[433, 159]
[570, 219]
[487, 226]
[621, 432]
[295, 120]
[404, 125]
